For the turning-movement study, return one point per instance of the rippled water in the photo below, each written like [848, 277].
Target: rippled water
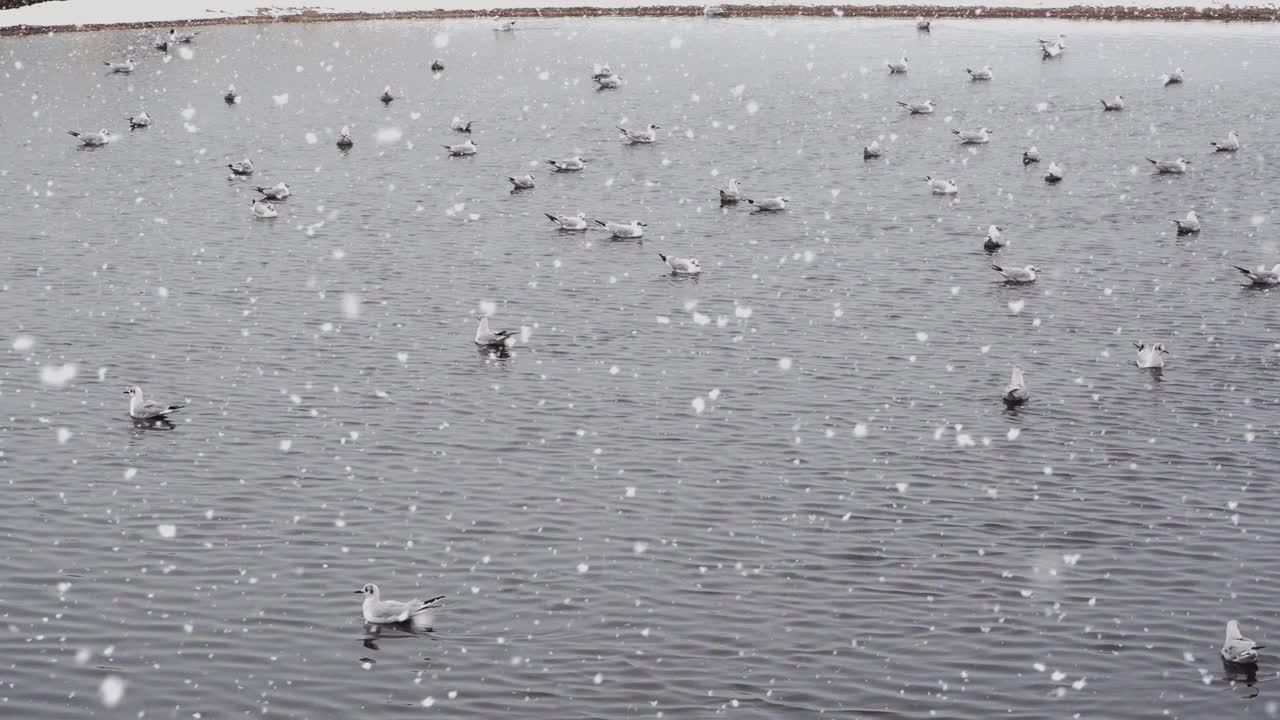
[852, 525]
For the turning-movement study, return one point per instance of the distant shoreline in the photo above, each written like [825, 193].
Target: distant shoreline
[1074, 12]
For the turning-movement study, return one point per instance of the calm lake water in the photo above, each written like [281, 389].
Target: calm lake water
[787, 488]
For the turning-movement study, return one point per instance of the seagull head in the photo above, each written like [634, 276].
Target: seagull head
[654, 127]
[368, 589]
[1033, 268]
[1184, 161]
[134, 390]
[637, 222]
[1160, 348]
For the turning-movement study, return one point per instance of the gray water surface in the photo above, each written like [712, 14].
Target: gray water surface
[786, 488]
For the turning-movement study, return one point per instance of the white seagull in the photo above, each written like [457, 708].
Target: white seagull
[185, 38]
[241, 167]
[124, 68]
[1173, 78]
[1018, 275]
[643, 137]
[1031, 155]
[387, 612]
[713, 11]
[1190, 225]
[263, 209]
[88, 139]
[437, 66]
[682, 266]
[521, 182]
[995, 239]
[1016, 393]
[461, 149]
[1115, 105]
[572, 164]
[1055, 174]
[1237, 648]
[938, 186]
[923, 108]
[142, 409]
[231, 97]
[981, 136]
[506, 26]
[773, 204]
[631, 230]
[897, 67]
[600, 71]
[488, 338]
[609, 82]
[732, 194]
[982, 74]
[140, 120]
[571, 223]
[1262, 278]
[344, 138]
[1170, 167]
[279, 191]
[1053, 48]
[1231, 144]
[462, 126]
[871, 151]
[923, 23]
[1151, 356]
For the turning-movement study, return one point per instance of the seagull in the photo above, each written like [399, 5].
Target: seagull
[1173, 78]
[897, 67]
[731, 194]
[386, 612]
[460, 126]
[713, 11]
[923, 23]
[461, 150]
[1151, 357]
[622, 230]
[641, 137]
[1060, 41]
[162, 45]
[983, 74]
[1016, 394]
[609, 82]
[506, 26]
[682, 266]
[88, 139]
[387, 97]
[437, 66]
[344, 138]
[1113, 105]
[263, 209]
[231, 97]
[140, 120]
[1055, 174]
[938, 186]
[572, 164]
[490, 339]
[1018, 275]
[1237, 648]
[184, 38]
[242, 167]
[1231, 144]
[871, 151]
[600, 71]
[521, 182]
[923, 108]
[1170, 167]
[142, 409]
[569, 222]
[980, 136]
[1262, 279]
[1190, 226]
[124, 68]
[995, 239]
[279, 191]
[773, 204]
[1050, 50]
[1031, 155]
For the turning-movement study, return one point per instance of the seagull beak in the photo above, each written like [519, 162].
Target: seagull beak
[358, 592]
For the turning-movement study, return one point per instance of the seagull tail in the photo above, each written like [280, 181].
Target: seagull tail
[903, 104]
[955, 132]
[73, 133]
[1153, 162]
[664, 257]
[1139, 345]
[552, 218]
[1246, 272]
[601, 224]
[997, 268]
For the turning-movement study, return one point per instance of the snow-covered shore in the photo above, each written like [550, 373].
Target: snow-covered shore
[87, 14]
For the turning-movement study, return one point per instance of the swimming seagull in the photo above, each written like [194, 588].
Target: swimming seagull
[1151, 357]
[995, 239]
[162, 45]
[1262, 279]
[571, 223]
[640, 137]
[142, 409]
[938, 186]
[1237, 648]
[88, 139]
[923, 24]
[490, 339]
[231, 97]
[1113, 105]
[572, 164]
[437, 66]
[773, 204]
[1190, 226]
[897, 67]
[600, 71]
[279, 191]
[1231, 144]
[506, 26]
[344, 139]
[1055, 174]
[983, 74]
[980, 136]
[386, 612]
[609, 82]
[241, 167]
[682, 266]
[521, 182]
[124, 68]
[871, 151]
[631, 230]
[731, 194]
[183, 39]
[1031, 155]
[1016, 394]
[263, 209]
[1173, 78]
[386, 96]
[462, 149]
[1018, 275]
[140, 120]
[923, 108]
[1170, 167]
[459, 125]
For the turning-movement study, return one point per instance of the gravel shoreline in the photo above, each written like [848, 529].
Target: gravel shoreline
[1074, 12]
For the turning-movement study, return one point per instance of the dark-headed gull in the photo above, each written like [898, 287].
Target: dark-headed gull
[462, 126]
[140, 120]
[241, 167]
[731, 194]
[923, 108]
[279, 191]
[981, 136]
[572, 164]
[1151, 356]
[984, 73]
[142, 409]
[461, 149]
[377, 611]
[631, 230]
[1115, 105]
[123, 68]
[231, 97]
[386, 96]
[1261, 278]
[1190, 225]
[872, 151]
[1237, 648]
[569, 222]
[1172, 78]
[600, 71]
[995, 239]
[185, 38]
[437, 66]
[91, 139]
[773, 204]
[682, 266]
[641, 137]
[344, 139]
[263, 209]
[1170, 167]
[1055, 173]
[1020, 275]
[521, 182]
[1053, 48]
[1031, 155]
[505, 26]
[1231, 144]
[1016, 393]
[938, 186]
[897, 67]
[490, 339]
